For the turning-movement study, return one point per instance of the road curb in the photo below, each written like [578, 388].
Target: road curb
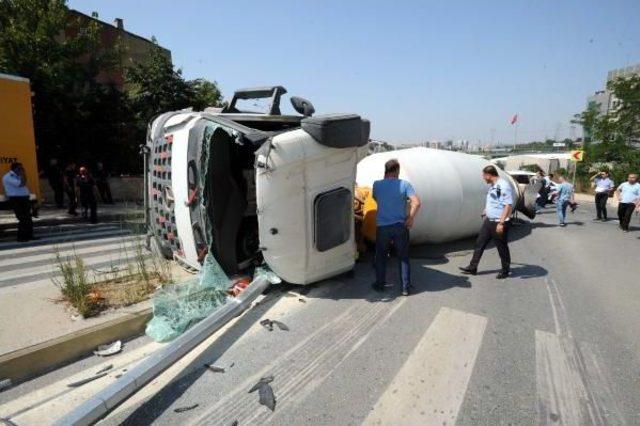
[25, 363]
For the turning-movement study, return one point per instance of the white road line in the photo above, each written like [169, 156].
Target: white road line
[431, 385]
[571, 387]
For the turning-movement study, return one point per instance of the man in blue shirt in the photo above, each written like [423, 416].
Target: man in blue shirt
[496, 224]
[628, 194]
[603, 186]
[16, 191]
[393, 223]
[565, 197]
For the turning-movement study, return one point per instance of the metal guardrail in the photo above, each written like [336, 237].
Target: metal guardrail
[110, 397]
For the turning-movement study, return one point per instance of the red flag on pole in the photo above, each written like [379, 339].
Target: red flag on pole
[514, 119]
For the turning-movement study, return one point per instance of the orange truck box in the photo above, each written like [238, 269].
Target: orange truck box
[17, 141]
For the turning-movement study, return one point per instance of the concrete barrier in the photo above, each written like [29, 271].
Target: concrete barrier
[32, 361]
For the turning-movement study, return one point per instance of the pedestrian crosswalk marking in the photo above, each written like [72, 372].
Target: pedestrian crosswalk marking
[431, 385]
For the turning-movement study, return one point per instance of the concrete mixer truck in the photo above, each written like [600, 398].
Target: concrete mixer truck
[248, 186]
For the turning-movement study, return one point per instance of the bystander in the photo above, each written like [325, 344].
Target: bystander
[17, 192]
[603, 186]
[628, 194]
[393, 223]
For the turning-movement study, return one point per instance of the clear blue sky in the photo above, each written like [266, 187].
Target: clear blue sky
[420, 70]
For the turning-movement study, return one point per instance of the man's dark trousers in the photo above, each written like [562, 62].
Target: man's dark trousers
[625, 210]
[487, 233]
[399, 234]
[601, 204]
[73, 204]
[22, 209]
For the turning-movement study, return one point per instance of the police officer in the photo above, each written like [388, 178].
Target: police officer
[496, 223]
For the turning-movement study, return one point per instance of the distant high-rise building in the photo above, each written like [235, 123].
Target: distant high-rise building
[605, 100]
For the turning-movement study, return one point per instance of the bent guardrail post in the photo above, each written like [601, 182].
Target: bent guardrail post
[107, 399]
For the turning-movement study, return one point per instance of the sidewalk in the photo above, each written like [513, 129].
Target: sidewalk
[51, 215]
[30, 312]
[582, 198]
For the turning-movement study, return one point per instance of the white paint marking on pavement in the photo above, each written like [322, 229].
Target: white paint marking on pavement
[54, 400]
[431, 385]
[571, 387]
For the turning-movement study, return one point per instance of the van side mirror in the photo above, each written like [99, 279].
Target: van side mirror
[302, 106]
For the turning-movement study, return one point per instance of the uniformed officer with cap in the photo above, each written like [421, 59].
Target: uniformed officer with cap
[496, 223]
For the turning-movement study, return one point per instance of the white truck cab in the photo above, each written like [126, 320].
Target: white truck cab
[248, 186]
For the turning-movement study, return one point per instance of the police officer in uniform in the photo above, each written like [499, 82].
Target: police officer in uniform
[496, 223]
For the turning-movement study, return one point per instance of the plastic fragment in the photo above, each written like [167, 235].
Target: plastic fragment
[107, 368]
[282, 326]
[215, 368]
[108, 350]
[267, 323]
[4, 384]
[85, 381]
[262, 381]
[187, 408]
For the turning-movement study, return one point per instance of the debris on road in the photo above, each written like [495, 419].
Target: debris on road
[105, 369]
[265, 392]
[215, 368]
[282, 326]
[5, 384]
[85, 381]
[268, 324]
[302, 300]
[108, 350]
[187, 408]
[267, 397]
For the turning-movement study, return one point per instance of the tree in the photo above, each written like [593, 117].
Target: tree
[610, 138]
[155, 86]
[67, 101]
[205, 94]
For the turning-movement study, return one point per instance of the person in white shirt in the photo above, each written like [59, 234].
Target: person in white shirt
[603, 186]
[17, 192]
[628, 194]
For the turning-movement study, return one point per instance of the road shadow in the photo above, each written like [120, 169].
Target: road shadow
[521, 270]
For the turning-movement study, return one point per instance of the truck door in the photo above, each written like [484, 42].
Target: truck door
[304, 188]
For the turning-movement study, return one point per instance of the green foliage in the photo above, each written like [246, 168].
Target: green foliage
[205, 94]
[155, 86]
[77, 117]
[68, 102]
[611, 138]
[74, 284]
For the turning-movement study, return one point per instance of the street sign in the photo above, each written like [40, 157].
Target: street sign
[577, 155]
[559, 144]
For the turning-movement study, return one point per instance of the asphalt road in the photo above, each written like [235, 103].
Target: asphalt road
[557, 343]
